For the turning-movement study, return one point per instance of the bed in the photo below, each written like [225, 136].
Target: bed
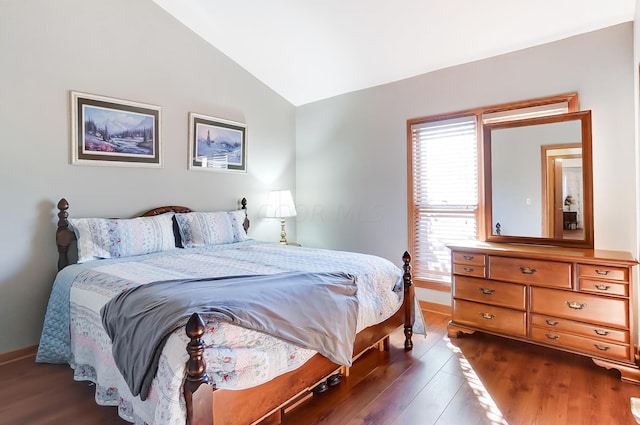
[210, 370]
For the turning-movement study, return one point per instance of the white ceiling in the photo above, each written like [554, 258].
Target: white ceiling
[310, 50]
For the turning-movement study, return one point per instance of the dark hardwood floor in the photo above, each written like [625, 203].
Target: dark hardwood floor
[474, 380]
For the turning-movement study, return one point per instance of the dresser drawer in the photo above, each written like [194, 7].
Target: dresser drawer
[535, 272]
[509, 295]
[491, 318]
[603, 272]
[469, 258]
[603, 287]
[469, 270]
[469, 264]
[581, 343]
[593, 331]
[582, 307]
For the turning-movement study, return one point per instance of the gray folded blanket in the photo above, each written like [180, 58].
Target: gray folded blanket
[317, 311]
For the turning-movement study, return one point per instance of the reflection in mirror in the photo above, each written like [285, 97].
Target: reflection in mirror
[563, 213]
[538, 180]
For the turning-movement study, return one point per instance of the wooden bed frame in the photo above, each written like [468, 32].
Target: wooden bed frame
[266, 403]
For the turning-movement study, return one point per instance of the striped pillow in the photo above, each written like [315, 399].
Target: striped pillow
[211, 228]
[112, 238]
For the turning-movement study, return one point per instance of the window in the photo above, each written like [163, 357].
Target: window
[445, 181]
[445, 191]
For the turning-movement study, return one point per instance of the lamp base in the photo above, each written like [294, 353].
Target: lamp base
[283, 234]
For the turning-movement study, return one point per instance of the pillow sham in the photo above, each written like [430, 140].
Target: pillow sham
[112, 238]
[211, 228]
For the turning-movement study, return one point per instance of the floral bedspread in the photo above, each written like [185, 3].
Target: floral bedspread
[236, 357]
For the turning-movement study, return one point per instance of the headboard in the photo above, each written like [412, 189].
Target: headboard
[65, 235]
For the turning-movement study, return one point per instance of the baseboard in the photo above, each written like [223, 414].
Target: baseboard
[435, 307]
[20, 353]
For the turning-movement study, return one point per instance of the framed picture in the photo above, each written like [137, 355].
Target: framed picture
[216, 144]
[107, 131]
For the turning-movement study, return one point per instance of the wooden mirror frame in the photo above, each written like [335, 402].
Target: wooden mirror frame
[587, 181]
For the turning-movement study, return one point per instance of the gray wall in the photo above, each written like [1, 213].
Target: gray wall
[129, 50]
[351, 149]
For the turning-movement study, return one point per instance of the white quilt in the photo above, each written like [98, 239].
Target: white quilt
[236, 357]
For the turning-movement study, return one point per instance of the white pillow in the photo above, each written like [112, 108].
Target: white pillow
[112, 238]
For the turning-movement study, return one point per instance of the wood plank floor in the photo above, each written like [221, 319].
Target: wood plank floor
[474, 380]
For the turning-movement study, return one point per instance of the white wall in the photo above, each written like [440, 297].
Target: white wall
[351, 149]
[130, 50]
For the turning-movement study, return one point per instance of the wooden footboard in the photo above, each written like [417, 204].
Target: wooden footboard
[208, 406]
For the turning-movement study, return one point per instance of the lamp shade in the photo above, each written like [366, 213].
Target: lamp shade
[280, 204]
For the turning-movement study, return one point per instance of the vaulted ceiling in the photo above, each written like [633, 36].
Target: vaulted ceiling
[310, 50]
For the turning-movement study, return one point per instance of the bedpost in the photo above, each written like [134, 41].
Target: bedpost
[64, 235]
[409, 303]
[245, 223]
[198, 397]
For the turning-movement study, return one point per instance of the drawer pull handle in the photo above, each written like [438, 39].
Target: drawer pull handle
[601, 332]
[467, 269]
[554, 337]
[468, 257]
[487, 316]
[601, 347]
[527, 270]
[575, 305]
[602, 272]
[487, 291]
[552, 322]
[602, 287]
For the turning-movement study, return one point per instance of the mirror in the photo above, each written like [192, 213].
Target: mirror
[538, 181]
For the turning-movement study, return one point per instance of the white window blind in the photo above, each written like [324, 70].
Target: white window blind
[445, 192]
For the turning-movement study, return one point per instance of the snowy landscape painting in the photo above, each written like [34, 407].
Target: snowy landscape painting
[114, 132]
[216, 144]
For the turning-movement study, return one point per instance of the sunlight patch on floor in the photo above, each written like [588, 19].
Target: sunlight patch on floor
[492, 411]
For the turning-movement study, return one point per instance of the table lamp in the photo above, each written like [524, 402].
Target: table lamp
[280, 205]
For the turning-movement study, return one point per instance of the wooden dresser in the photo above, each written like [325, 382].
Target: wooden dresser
[576, 300]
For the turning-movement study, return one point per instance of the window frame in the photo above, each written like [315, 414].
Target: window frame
[572, 105]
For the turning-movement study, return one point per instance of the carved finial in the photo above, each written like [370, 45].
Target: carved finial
[63, 206]
[196, 365]
[246, 223]
[406, 259]
[64, 235]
